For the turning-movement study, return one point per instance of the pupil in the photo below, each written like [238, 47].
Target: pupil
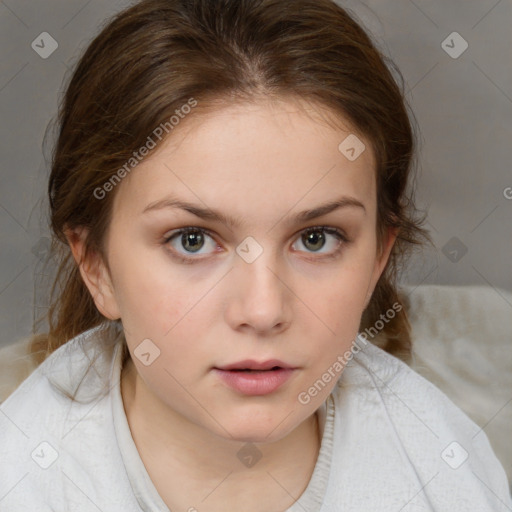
[315, 239]
[193, 239]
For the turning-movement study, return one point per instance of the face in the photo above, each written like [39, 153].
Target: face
[267, 278]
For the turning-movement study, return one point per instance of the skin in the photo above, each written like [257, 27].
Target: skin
[261, 163]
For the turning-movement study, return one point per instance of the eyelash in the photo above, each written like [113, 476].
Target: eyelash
[340, 235]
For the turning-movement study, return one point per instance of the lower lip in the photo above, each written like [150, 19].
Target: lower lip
[255, 382]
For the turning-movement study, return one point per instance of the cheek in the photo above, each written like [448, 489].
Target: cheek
[151, 299]
[339, 303]
[342, 314]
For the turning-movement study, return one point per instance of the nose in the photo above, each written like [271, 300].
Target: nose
[259, 298]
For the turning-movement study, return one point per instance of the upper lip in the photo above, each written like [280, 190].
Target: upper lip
[251, 364]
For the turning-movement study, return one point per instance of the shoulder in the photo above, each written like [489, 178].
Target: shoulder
[73, 376]
[42, 423]
[421, 440]
[70, 370]
[16, 364]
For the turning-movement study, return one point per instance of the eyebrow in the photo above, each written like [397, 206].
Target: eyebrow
[212, 215]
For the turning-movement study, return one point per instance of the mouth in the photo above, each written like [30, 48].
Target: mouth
[255, 378]
[248, 370]
[250, 365]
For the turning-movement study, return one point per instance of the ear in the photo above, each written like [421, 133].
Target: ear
[381, 260]
[94, 274]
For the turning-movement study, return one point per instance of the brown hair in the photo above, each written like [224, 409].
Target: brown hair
[153, 57]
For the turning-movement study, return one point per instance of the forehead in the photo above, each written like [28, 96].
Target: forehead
[262, 156]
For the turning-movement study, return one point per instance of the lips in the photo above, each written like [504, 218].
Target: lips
[251, 378]
[252, 365]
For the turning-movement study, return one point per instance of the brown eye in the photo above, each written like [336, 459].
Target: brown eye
[315, 239]
[192, 240]
[189, 241]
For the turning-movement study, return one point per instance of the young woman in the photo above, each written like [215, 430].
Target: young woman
[229, 195]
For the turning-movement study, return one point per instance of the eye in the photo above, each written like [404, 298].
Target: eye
[191, 239]
[316, 238]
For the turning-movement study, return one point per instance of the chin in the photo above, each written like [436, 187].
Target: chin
[257, 436]
[251, 429]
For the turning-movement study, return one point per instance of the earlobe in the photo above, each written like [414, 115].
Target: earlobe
[94, 274]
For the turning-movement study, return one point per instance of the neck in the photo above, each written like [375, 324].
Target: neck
[169, 444]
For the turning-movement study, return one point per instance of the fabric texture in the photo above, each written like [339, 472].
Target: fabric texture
[391, 441]
[462, 343]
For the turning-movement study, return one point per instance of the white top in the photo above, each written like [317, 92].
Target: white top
[391, 442]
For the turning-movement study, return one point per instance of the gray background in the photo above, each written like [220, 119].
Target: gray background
[463, 106]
